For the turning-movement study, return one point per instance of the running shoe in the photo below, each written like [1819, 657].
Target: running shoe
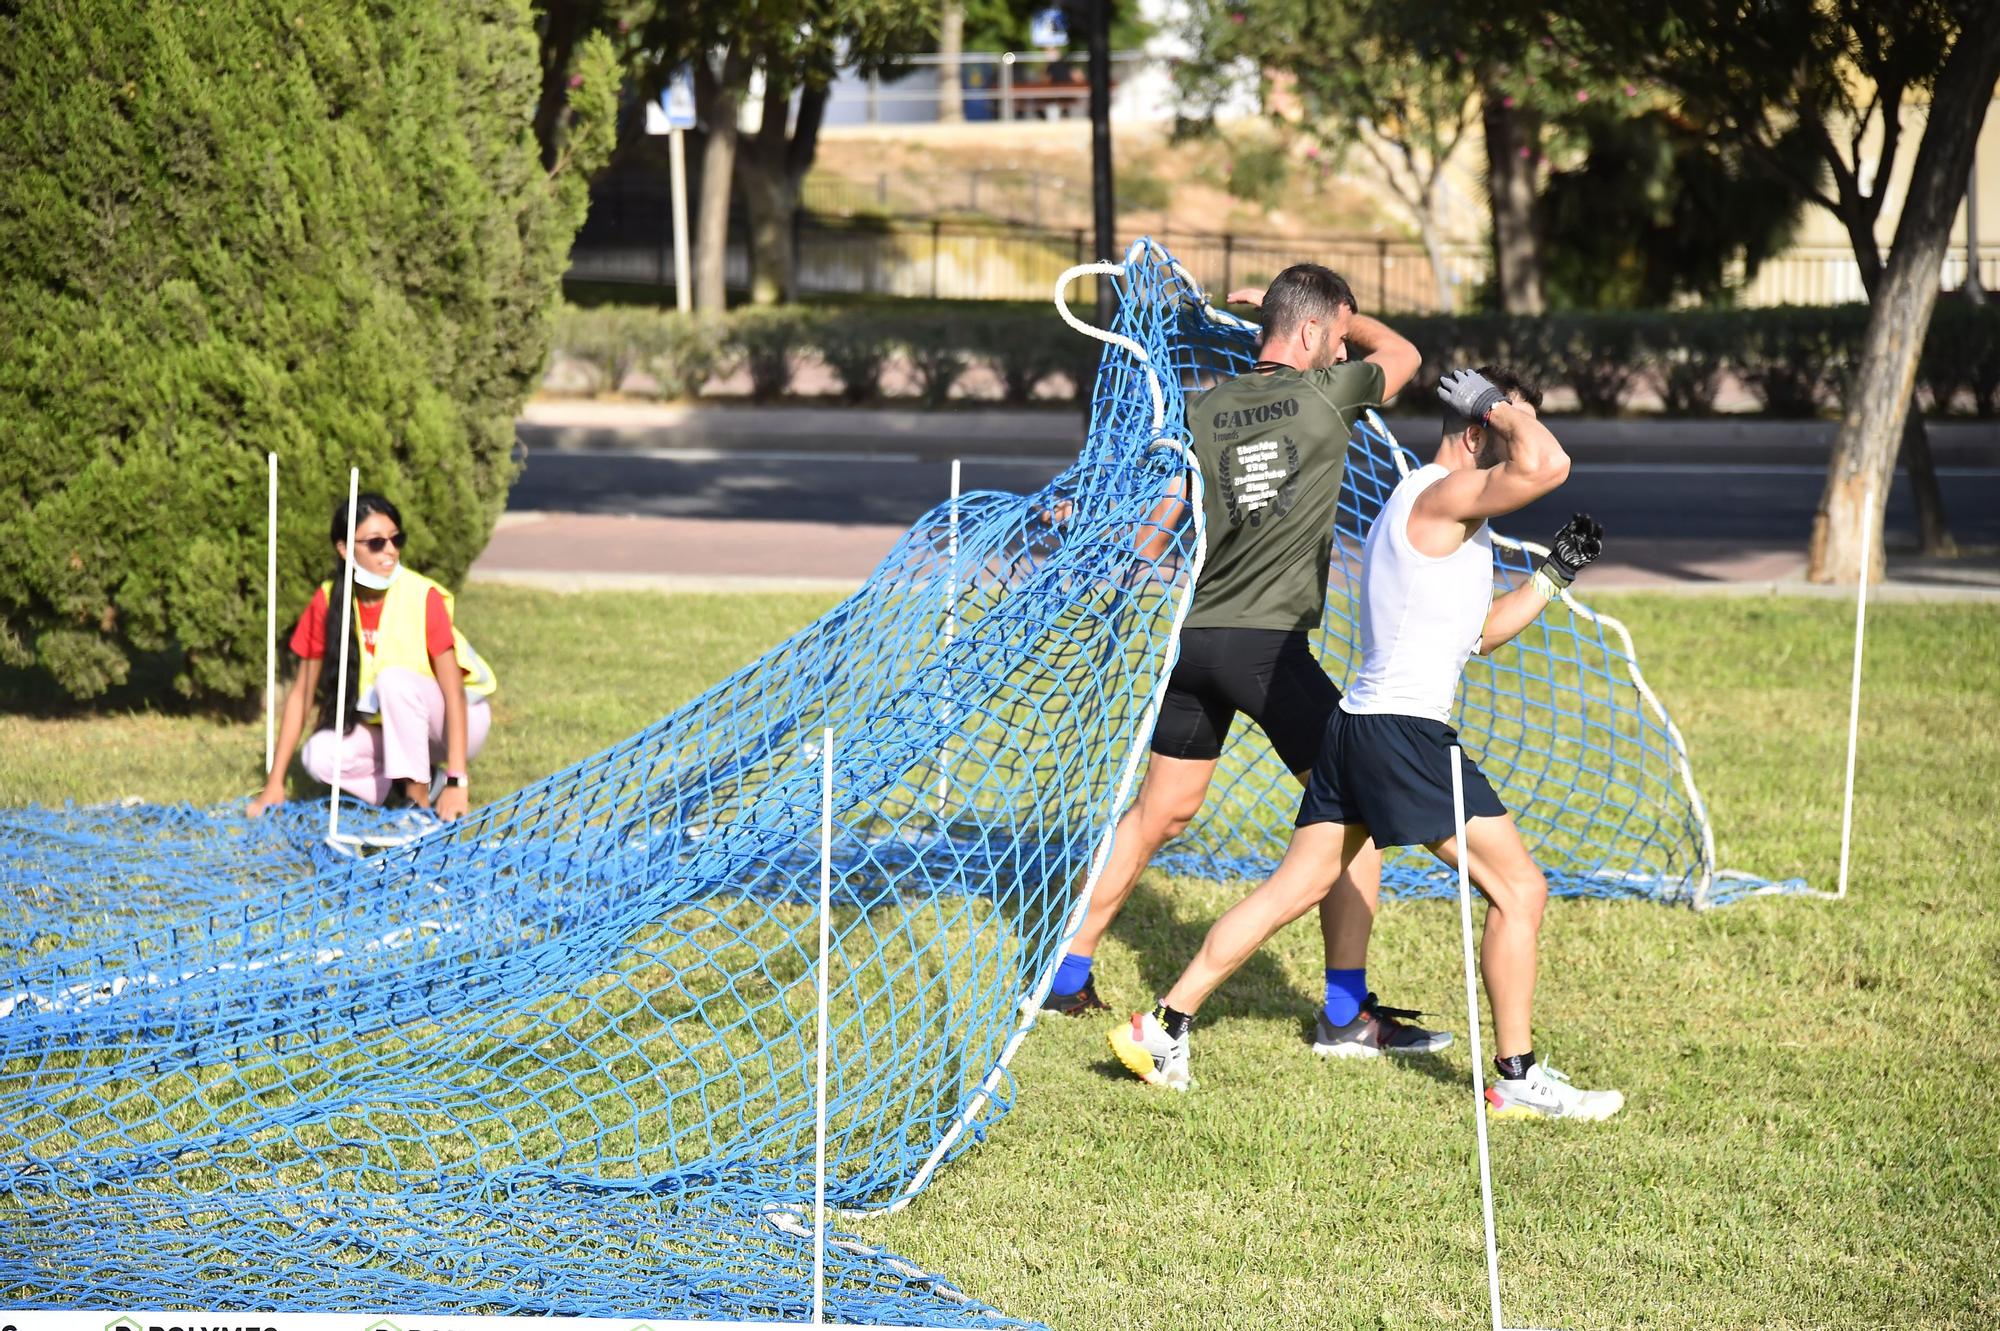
[1546, 1093]
[1377, 1030]
[1079, 1004]
[1150, 1054]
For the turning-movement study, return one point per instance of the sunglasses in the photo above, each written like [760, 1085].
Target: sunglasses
[375, 545]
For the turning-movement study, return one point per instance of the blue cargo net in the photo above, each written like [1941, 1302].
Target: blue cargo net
[559, 1057]
[1561, 720]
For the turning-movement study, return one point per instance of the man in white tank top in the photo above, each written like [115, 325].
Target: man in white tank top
[1384, 771]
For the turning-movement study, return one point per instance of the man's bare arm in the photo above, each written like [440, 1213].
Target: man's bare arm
[1535, 465]
[1511, 612]
[1158, 532]
[1382, 345]
[1574, 548]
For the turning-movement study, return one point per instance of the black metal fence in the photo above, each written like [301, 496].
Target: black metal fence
[628, 239]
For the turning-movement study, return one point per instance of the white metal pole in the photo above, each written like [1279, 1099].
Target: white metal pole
[346, 636]
[271, 624]
[1472, 1026]
[950, 618]
[819, 1097]
[1854, 695]
[683, 283]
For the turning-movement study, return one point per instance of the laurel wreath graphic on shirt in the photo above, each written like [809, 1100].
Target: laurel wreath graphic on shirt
[1280, 504]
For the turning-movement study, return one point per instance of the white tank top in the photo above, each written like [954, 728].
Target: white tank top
[1421, 615]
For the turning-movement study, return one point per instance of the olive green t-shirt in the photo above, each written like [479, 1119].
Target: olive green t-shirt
[1272, 448]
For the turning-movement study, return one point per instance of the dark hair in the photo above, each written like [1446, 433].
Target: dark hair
[1304, 291]
[1508, 382]
[366, 505]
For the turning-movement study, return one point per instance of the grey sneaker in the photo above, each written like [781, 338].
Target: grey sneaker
[1377, 1030]
[1546, 1093]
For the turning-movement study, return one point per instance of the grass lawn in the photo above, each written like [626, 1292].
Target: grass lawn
[1810, 1137]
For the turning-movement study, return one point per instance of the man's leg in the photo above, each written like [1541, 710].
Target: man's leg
[1351, 1024]
[1187, 740]
[1319, 853]
[1347, 912]
[1293, 701]
[1346, 920]
[1170, 795]
[1154, 1045]
[1516, 893]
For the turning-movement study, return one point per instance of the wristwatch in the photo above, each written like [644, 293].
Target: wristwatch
[454, 779]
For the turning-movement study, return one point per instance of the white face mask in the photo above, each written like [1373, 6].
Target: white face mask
[376, 582]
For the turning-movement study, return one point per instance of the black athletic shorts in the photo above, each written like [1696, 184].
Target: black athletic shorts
[1392, 775]
[1269, 673]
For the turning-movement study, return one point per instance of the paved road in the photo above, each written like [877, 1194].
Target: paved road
[1765, 505]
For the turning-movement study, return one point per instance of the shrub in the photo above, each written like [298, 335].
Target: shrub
[1598, 356]
[677, 351]
[1962, 356]
[855, 345]
[233, 228]
[1686, 354]
[937, 347]
[769, 338]
[1020, 348]
[1796, 359]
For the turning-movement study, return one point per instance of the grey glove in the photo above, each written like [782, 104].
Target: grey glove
[1470, 394]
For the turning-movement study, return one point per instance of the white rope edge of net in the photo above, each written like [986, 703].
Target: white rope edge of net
[1030, 1003]
[790, 1220]
[1698, 897]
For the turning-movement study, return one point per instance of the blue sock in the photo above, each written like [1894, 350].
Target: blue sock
[1072, 975]
[1345, 992]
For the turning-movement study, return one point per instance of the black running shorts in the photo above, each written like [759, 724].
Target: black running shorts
[1392, 775]
[1269, 673]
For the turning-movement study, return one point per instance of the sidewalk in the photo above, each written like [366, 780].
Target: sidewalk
[577, 552]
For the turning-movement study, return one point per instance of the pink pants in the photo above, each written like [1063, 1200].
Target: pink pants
[408, 743]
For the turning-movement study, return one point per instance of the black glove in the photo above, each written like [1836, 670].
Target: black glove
[1470, 394]
[1579, 542]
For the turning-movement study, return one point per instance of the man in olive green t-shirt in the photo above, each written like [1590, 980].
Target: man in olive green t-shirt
[1272, 445]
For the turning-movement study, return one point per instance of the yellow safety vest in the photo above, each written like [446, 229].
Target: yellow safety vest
[400, 641]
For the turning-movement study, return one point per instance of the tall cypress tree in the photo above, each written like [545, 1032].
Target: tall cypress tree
[229, 227]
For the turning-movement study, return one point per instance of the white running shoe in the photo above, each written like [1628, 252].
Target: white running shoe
[1150, 1054]
[1547, 1093]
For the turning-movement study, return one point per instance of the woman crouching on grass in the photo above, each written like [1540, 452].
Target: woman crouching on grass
[416, 691]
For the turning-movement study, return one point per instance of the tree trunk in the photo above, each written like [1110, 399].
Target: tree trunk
[721, 95]
[768, 198]
[1510, 186]
[772, 168]
[1933, 526]
[1864, 451]
[951, 44]
[1434, 250]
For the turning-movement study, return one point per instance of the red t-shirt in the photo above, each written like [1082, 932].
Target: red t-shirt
[309, 638]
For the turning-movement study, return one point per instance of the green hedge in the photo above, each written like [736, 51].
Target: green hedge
[1029, 352]
[1796, 360]
[234, 228]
